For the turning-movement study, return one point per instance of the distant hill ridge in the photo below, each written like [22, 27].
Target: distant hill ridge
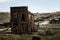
[4, 17]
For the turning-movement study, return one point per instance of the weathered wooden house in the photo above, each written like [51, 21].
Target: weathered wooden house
[22, 21]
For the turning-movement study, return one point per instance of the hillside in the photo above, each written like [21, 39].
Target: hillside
[4, 17]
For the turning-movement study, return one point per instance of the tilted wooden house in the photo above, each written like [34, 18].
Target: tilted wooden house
[22, 21]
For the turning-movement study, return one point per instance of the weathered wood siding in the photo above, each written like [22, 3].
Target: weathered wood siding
[21, 20]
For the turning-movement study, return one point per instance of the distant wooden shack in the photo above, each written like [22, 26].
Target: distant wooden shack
[54, 21]
[22, 21]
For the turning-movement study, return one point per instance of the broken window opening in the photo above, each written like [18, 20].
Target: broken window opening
[23, 17]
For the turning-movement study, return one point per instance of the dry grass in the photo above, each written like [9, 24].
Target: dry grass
[56, 36]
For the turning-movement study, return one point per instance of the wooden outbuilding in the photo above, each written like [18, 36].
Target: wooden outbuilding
[22, 21]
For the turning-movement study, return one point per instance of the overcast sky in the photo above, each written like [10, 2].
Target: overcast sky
[33, 5]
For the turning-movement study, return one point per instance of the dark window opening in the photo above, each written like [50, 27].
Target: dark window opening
[23, 17]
